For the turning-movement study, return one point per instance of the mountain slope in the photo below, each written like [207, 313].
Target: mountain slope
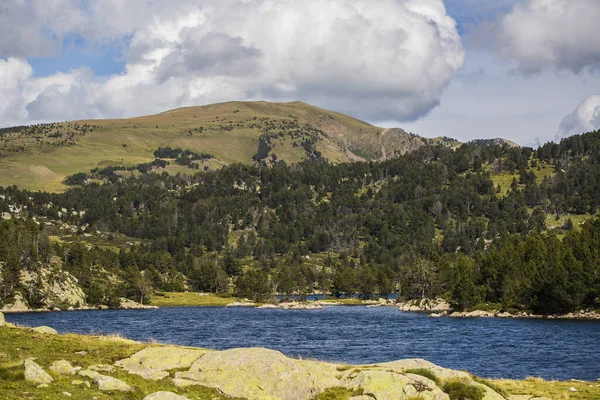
[40, 157]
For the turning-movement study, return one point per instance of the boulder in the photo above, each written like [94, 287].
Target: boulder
[389, 385]
[164, 396]
[35, 374]
[45, 330]
[153, 362]
[89, 374]
[110, 384]
[2, 321]
[257, 373]
[62, 367]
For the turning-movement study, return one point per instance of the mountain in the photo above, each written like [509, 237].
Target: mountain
[40, 157]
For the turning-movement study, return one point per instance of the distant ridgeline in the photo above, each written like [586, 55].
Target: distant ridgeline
[484, 223]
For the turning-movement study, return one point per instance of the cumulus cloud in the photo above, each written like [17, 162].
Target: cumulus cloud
[392, 61]
[585, 118]
[562, 34]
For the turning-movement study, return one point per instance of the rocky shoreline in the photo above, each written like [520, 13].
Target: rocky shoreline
[20, 307]
[166, 372]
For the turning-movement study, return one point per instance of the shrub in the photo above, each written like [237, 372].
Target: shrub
[457, 390]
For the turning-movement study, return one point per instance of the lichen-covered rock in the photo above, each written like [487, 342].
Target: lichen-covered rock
[110, 384]
[89, 374]
[153, 362]
[35, 374]
[164, 396]
[258, 374]
[62, 367]
[390, 385]
[45, 329]
[2, 321]
[101, 368]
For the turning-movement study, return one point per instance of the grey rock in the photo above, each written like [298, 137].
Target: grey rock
[35, 374]
[62, 367]
[110, 384]
[2, 321]
[46, 330]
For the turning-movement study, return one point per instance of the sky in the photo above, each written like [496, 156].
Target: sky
[525, 70]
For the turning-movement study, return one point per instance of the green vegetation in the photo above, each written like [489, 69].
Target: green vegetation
[16, 345]
[458, 390]
[189, 299]
[423, 372]
[551, 389]
[41, 157]
[339, 393]
[425, 224]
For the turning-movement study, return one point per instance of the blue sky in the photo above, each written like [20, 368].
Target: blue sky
[526, 70]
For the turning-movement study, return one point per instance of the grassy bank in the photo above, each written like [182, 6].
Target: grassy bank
[189, 299]
[17, 345]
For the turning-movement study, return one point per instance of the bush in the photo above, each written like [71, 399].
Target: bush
[457, 390]
[423, 372]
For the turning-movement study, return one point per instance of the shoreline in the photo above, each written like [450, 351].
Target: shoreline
[435, 308]
[82, 364]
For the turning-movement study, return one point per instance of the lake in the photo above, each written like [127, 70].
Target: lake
[501, 348]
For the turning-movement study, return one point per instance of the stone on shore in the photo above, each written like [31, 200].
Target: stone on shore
[35, 374]
[62, 367]
[2, 321]
[164, 396]
[110, 384]
[45, 330]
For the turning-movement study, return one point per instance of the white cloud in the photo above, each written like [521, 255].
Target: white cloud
[390, 61]
[562, 34]
[585, 118]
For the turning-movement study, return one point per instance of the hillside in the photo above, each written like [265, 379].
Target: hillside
[480, 224]
[40, 157]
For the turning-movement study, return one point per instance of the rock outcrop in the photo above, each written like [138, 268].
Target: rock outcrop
[18, 305]
[261, 374]
[35, 374]
[2, 321]
[154, 362]
[429, 305]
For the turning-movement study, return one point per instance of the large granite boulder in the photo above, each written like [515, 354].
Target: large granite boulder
[258, 374]
[154, 362]
[35, 374]
[389, 385]
[2, 321]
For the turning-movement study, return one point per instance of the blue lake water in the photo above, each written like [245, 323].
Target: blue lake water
[487, 347]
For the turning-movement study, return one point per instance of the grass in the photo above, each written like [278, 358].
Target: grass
[556, 390]
[339, 393]
[18, 344]
[189, 299]
[133, 141]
